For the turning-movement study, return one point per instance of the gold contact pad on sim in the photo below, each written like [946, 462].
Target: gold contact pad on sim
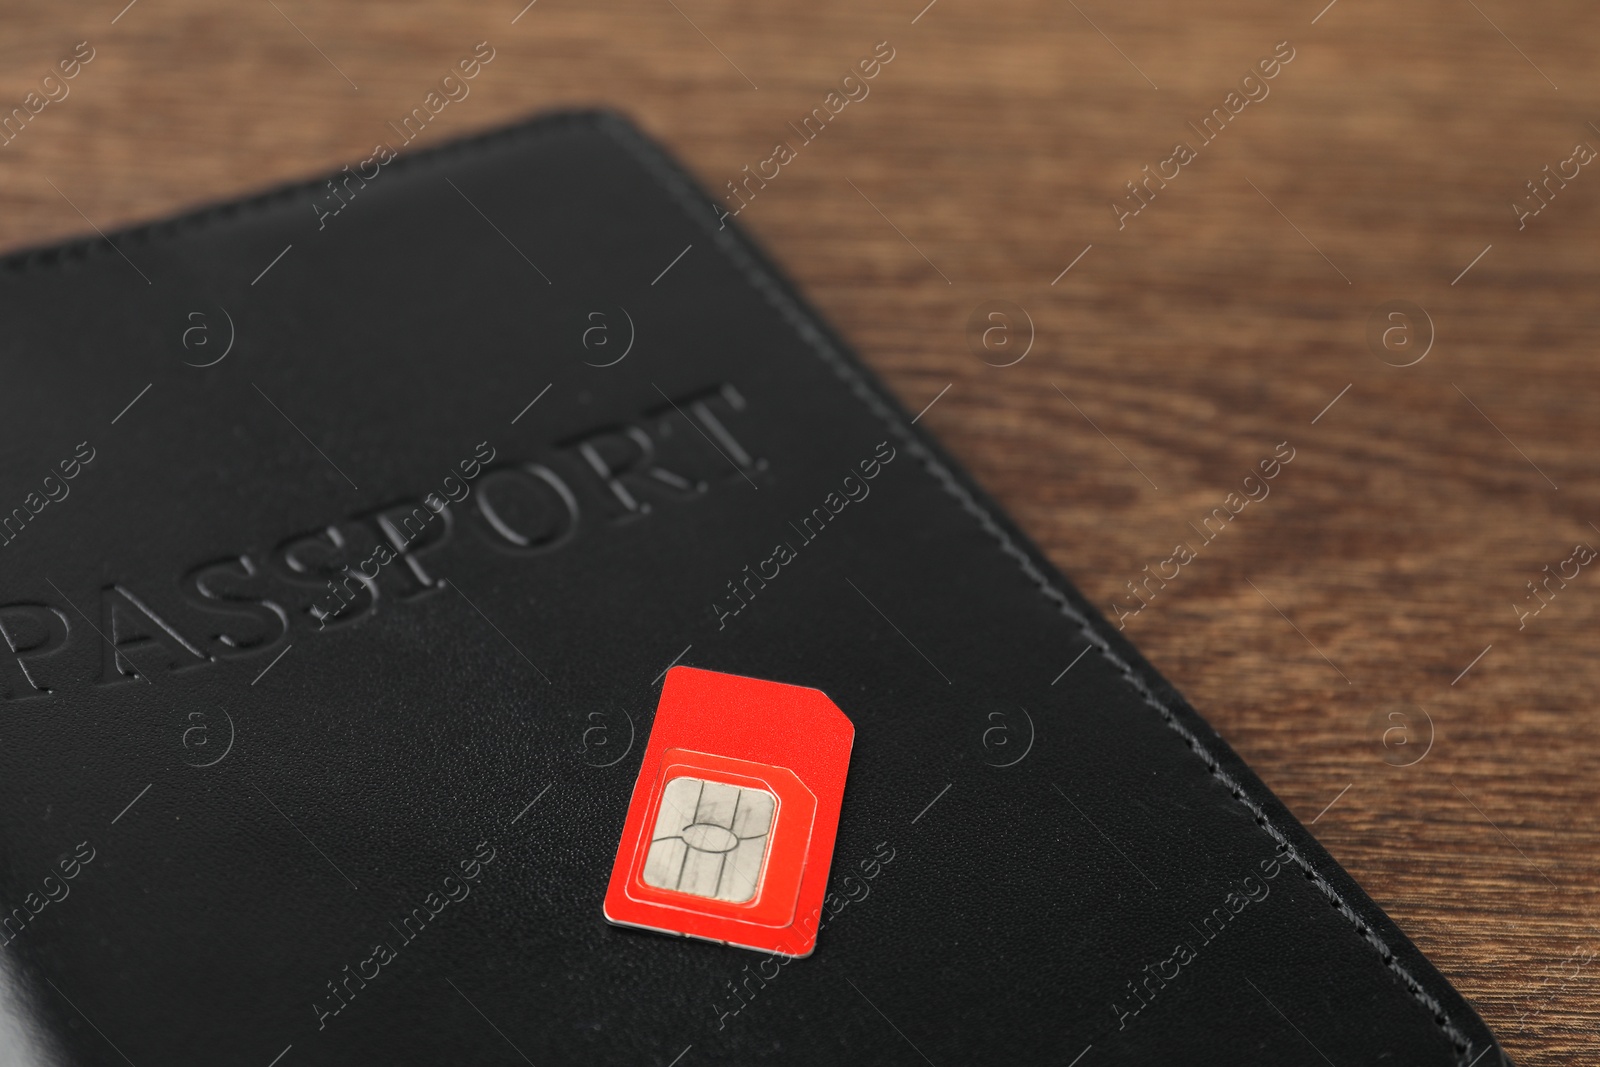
[709, 840]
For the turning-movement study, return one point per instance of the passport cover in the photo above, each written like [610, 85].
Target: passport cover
[348, 535]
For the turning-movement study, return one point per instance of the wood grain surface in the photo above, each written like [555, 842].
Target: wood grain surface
[1332, 620]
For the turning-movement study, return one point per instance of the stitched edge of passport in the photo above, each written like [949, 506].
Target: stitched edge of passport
[61, 254]
[677, 183]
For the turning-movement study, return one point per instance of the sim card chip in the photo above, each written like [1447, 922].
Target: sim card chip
[710, 839]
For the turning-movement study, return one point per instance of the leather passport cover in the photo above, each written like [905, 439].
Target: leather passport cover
[349, 533]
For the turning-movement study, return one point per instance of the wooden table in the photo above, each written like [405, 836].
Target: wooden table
[1371, 599]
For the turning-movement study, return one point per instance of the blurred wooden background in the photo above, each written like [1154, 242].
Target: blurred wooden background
[1218, 322]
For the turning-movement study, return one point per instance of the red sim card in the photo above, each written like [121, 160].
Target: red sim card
[731, 828]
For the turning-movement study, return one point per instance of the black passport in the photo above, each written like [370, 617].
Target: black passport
[343, 554]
